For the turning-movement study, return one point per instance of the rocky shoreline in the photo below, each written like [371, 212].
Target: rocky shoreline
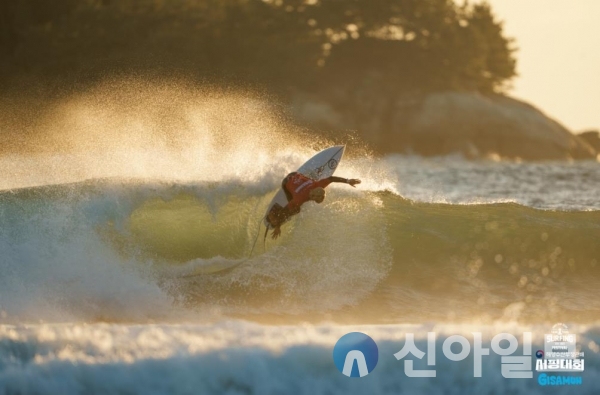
[442, 123]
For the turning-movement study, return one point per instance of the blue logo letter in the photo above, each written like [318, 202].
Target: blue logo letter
[355, 354]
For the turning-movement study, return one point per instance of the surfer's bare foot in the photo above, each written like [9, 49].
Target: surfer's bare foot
[354, 181]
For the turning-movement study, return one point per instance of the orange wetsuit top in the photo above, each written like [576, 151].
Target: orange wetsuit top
[297, 188]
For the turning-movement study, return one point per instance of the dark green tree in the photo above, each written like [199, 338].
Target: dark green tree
[393, 46]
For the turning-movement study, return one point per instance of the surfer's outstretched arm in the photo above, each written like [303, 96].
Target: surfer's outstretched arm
[350, 181]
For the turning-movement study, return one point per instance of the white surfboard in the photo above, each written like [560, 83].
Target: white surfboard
[320, 166]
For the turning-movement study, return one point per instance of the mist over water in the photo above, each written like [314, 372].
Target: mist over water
[140, 129]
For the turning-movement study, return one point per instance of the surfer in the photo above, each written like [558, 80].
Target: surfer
[299, 189]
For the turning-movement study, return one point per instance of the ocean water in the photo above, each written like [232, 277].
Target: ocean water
[110, 241]
[102, 287]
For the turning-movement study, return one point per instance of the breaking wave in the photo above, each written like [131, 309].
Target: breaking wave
[138, 250]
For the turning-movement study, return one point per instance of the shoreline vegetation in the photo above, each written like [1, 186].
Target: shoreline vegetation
[423, 76]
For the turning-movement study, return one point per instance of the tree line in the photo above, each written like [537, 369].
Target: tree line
[310, 45]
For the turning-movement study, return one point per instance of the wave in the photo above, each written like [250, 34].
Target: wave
[242, 357]
[123, 250]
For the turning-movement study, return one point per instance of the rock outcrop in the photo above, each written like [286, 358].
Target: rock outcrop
[592, 137]
[448, 122]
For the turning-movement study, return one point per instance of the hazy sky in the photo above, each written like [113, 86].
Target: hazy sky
[558, 57]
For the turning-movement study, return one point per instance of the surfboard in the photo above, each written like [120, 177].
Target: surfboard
[320, 166]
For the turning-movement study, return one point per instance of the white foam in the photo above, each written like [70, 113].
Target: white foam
[240, 357]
